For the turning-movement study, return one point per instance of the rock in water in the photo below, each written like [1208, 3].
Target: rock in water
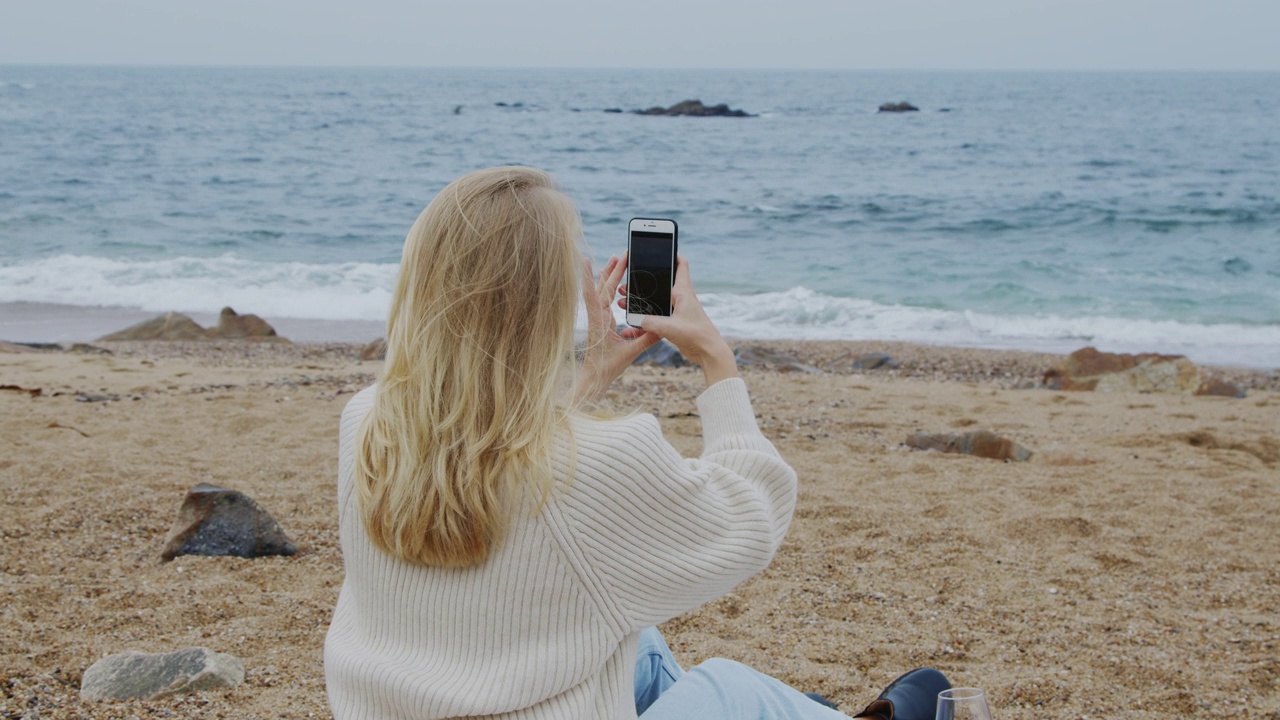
[694, 108]
[134, 675]
[1090, 369]
[233, 326]
[170, 326]
[979, 443]
[1237, 265]
[898, 107]
[218, 521]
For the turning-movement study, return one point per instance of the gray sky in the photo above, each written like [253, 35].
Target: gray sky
[855, 34]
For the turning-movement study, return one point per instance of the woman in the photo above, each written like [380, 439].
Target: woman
[506, 553]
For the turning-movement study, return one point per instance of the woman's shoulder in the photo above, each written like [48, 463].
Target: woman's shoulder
[359, 404]
[591, 426]
[616, 448]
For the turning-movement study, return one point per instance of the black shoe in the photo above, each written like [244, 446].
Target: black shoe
[913, 696]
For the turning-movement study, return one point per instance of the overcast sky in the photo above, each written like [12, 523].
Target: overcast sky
[854, 34]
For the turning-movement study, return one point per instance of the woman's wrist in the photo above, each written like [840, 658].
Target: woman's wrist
[718, 364]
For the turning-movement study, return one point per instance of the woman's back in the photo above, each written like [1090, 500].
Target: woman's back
[548, 625]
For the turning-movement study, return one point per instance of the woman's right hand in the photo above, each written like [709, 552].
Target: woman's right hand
[690, 330]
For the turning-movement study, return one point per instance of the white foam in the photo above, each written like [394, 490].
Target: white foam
[801, 314]
[362, 291]
[337, 291]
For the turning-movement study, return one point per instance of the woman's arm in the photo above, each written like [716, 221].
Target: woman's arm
[656, 534]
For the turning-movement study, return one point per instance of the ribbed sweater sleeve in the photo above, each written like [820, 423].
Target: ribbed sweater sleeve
[660, 534]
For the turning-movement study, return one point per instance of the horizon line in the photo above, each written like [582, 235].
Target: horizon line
[372, 66]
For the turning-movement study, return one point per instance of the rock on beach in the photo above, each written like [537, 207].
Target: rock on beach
[176, 326]
[980, 443]
[218, 521]
[134, 675]
[232, 326]
[170, 326]
[760, 356]
[874, 361]
[375, 350]
[663, 354]
[1090, 369]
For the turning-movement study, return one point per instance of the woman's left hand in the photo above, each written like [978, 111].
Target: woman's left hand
[608, 351]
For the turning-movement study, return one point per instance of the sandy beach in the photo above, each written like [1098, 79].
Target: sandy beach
[1129, 569]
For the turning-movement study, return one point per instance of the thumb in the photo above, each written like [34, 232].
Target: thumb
[636, 346]
[657, 325]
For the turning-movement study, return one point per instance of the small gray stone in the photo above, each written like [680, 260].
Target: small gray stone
[134, 675]
[763, 357]
[872, 361]
[979, 443]
[760, 356]
[218, 521]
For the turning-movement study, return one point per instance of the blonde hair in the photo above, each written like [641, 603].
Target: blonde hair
[479, 350]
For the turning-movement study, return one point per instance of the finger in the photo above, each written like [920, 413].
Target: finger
[655, 324]
[630, 333]
[683, 280]
[588, 280]
[635, 347]
[604, 274]
[589, 296]
[616, 271]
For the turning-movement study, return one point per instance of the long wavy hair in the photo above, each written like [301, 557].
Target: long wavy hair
[479, 351]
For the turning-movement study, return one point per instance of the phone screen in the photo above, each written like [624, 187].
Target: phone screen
[651, 266]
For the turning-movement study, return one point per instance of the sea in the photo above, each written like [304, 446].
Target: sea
[1042, 211]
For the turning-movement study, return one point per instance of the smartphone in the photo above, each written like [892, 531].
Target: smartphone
[651, 268]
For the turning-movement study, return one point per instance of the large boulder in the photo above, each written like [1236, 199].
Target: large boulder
[233, 326]
[134, 675]
[176, 326]
[218, 521]
[170, 326]
[1090, 369]
[979, 443]
[695, 108]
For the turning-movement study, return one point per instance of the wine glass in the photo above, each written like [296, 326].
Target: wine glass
[963, 704]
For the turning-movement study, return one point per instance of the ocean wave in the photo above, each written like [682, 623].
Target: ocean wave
[802, 314]
[335, 291]
[362, 291]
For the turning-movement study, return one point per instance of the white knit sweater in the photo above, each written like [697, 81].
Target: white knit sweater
[547, 627]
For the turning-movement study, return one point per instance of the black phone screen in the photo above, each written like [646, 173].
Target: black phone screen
[651, 266]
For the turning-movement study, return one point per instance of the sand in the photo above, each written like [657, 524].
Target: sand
[1130, 569]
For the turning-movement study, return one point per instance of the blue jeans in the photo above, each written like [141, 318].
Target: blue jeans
[715, 690]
